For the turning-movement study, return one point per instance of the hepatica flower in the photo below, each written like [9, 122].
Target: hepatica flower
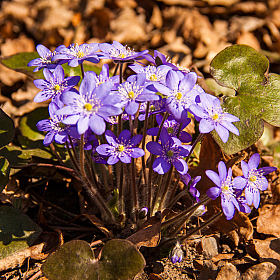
[54, 85]
[172, 128]
[133, 92]
[170, 151]
[176, 254]
[157, 106]
[121, 148]
[90, 106]
[181, 91]
[75, 54]
[253, 179]
[45, 60]
[57, 130]
[224, 188]
[212, 116]
[120, 53]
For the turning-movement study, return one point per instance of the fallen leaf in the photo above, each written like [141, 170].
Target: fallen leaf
[148, 235]
[208, 247]
[262, 271]
[269, 219]
[17, 259]
[228, 271]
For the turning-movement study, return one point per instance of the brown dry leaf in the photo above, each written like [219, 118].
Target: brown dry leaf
[228, 271]
[156, 18]
[248, 38]
[17, 260]
[99, 224]
[128, 27]
[53, 14]
[148, 235]
[269, 220]
[93, 5]
[250, 7]
[153, 276]
[188, 3]
[267, 250]
[17, 10]
[208, 247]
[219, 257]
[208, 271]
[262, 271]
[221, 2]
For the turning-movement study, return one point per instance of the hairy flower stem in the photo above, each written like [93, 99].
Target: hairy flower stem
[72, 158]
[116, 69]
[151, 167]
[174, 188]
[185, 214]
[82, 70]
[134, 191]
[210, 221]
[56, 154]
[197, 140]
[167, 185]
[73, 148]
[144, 142]
[156, 198]
[94, 194]
[121, 190]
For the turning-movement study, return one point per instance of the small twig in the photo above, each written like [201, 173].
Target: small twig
[36, 275]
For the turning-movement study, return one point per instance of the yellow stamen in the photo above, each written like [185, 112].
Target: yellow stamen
[88, 106]
[215, 116]
[152, 108]
[121, 148]
[179, 95]
[56, 87]
[225, 188]
[253, 178]
[153, 78]
[122, 55]
[131, 94]
[80, 54]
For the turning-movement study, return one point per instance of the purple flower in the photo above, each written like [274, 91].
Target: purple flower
[170, 151]
[212, 116]
[90, 106]
[153, 74]
[75, 54]
[172, 128]
[97, 158]
[181, 91]
[157, 106]
[45, 60]
[253, 179]
[57, 130]
[104, 76]
[224, 188]
[120, 53]
[121, 148]
[176, 254]
[133, 92]
[54, 85]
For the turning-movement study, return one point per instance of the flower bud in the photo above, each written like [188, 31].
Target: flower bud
[176, 254]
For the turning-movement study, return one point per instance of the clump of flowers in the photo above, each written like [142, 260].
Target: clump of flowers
[105, 122]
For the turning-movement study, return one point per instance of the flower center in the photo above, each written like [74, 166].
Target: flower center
[56, 87]
[179, 95]
[225, 188]
[121, 148]
[152, 108]
[170, 130]
[253, 178]
[170, 153]
[80, 54]
[121, 55]
[215, 117]
[130, 94]
[153, 77]
[88, 106]
[62, 125]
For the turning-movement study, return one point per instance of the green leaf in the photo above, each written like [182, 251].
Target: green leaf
[257, 94]
[17, 231]
[120, 260]
[27, 123]
[4, 172]
[7, 129]
[18, 62]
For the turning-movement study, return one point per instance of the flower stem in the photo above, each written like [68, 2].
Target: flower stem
[210, 221]
[82, 70]
[199, 138]
[56, 154]
[167, 184]
[144, 142]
